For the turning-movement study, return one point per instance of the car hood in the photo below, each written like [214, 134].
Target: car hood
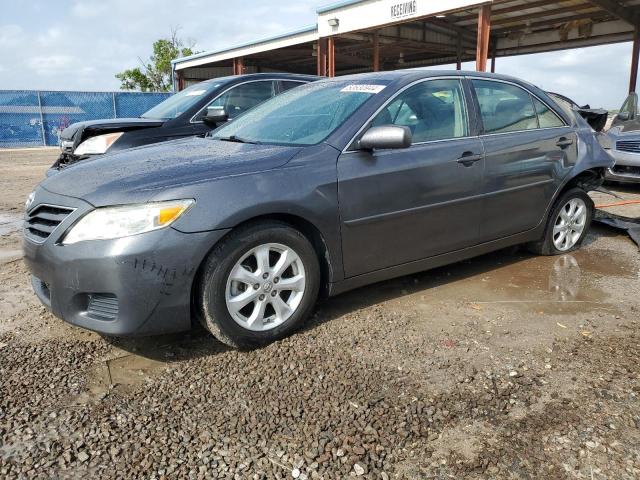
[97, 127]
[619, 133]
[138, 174]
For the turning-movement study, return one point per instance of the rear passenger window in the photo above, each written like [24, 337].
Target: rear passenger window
[546, 117]
[433, 110]
[504, 107]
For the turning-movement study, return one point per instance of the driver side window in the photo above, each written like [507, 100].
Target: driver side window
[433, 110]
[242, 98]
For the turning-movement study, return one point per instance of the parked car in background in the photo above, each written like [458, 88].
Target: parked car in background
[331, 186]
[195, 110]
[624, 142]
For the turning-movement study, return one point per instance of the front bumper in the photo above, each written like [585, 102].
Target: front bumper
[139, 285]
[626, 169]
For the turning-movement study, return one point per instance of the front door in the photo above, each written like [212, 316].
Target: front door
[399, 206]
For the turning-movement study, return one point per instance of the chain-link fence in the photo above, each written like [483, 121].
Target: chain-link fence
[31, 118]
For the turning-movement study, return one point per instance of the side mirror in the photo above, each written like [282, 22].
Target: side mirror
[624, 116]
[215, 115]
[386, 137]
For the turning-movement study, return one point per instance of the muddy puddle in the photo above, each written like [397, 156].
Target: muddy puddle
[139, 360]
[570, 283]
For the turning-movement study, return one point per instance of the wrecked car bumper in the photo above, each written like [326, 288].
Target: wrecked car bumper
[138, 285]
[626, 169]
[64, 160]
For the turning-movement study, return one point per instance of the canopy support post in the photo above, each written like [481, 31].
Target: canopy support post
[484, 32]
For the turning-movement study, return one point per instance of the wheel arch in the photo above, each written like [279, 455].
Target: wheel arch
[588, 180]
[304, 226]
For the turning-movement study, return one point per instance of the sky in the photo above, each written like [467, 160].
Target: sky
[82, 44]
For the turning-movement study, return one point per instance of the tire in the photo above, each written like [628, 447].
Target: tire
[274, 312]
[575, 230]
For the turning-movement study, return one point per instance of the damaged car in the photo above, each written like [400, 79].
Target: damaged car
[328, 187]
[195, 110]
[595, 117]
[624, 143]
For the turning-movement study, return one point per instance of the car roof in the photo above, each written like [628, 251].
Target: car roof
[412, 74]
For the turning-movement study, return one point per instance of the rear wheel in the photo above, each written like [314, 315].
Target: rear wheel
[567, 225]
[260, 284]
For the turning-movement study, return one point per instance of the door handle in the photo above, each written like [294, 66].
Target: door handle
[564, 142]
[469, 158]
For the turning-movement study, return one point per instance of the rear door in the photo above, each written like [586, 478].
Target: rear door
[403, 205]
[528, 149]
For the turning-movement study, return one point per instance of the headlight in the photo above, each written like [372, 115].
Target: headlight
[97, 145]
[116, 222]
[66, 145]
[29, 201]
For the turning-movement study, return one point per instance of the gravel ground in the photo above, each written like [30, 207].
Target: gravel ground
[507, 366]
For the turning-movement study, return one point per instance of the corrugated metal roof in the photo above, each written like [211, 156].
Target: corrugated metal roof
[518, 27]
[307, 29]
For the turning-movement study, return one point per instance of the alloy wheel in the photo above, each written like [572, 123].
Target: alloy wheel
[570, 224]
[265, 287]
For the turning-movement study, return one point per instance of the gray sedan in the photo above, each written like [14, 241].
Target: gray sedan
[328, 187]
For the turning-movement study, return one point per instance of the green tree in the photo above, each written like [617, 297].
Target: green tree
[155, 74]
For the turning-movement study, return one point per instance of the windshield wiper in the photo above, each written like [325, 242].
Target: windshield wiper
[233, 138]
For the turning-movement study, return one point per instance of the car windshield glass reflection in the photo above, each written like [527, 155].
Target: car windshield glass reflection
[177, 104]
[304, 116]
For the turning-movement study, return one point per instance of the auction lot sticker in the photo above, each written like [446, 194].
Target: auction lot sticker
[363, 88]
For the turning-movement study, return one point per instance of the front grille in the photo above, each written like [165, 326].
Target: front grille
[103, 306]
[631, 146]
[43, 220]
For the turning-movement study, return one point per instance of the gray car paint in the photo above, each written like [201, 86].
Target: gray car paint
[380, 214]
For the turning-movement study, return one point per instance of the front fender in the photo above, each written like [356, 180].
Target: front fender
[306, 187]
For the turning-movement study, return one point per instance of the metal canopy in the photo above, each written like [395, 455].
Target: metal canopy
[366, 35]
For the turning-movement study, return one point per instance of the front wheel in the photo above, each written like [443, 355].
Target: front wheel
[567, 225]
[260, 284]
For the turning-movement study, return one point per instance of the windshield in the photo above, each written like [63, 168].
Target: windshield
[182, 101]
[306, 115]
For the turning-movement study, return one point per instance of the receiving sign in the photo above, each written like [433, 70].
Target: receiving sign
[404, 9]
[347, 17]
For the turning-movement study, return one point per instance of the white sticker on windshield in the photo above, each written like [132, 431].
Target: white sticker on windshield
[196, 93]
[373, 89]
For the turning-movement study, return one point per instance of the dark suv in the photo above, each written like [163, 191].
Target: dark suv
[195, 110]
[325, 188]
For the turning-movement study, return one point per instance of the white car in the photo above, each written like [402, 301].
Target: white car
[624, 143]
